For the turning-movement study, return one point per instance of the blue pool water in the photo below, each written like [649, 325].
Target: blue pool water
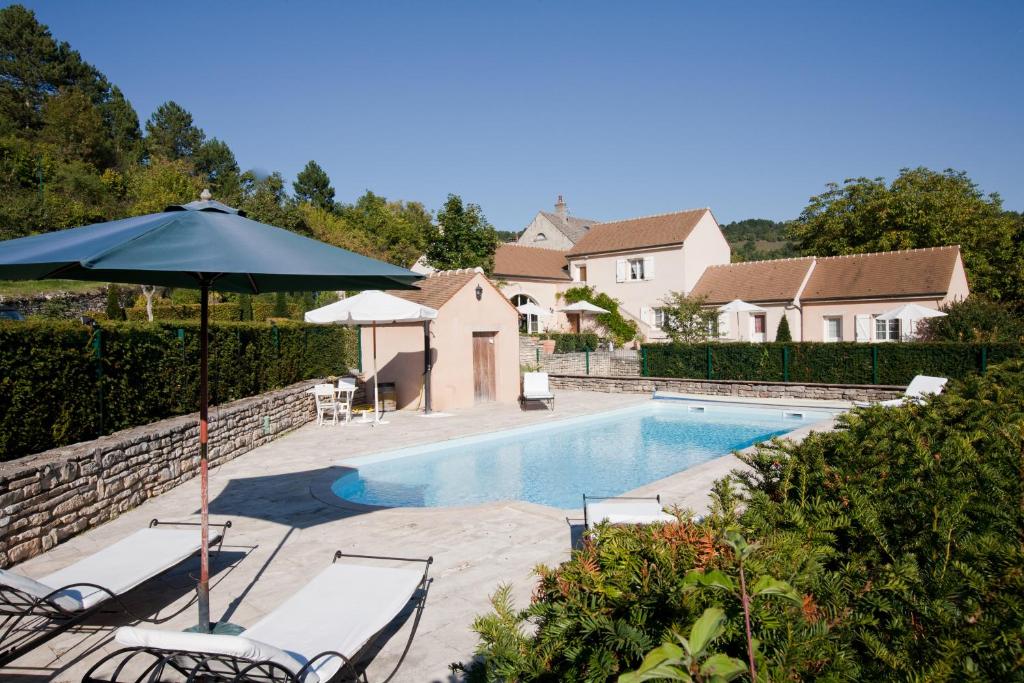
[555, 463]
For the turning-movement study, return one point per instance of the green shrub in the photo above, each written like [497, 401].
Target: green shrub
[113, 309]
[839, 363]
[619, 328]
[782, 333]
[245, 307]
[571, 342]
[975, 319]
[57, 392]
[900, 533]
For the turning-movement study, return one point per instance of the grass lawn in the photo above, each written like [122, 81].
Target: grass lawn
[17, 289]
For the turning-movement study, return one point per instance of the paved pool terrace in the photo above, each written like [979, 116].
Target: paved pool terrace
[287, 526]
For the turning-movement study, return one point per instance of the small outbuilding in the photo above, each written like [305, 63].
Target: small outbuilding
[474, 345]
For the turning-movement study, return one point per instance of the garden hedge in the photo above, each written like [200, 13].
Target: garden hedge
[572, 342]
[63, 383]
[228, 311]
[841, 363]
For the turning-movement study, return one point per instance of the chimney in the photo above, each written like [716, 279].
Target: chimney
[561, 209]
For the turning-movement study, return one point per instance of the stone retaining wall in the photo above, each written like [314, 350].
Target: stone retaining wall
[646, 385]
[51, 496]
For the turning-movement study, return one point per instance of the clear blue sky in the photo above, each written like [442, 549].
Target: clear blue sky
[626, 108]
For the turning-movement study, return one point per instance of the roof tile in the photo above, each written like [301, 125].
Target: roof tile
[637, 233]
[513, 260]
[437, 288]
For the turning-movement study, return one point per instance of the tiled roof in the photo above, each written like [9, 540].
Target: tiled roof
[513, 260]
[888, 274]
[572, 227]
[437, 288]
[912, 272]
[637, 233]
[753, 281]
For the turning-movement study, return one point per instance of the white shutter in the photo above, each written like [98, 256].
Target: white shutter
[863, 327]
[620, 270]
[647, 315]
[648, 267]
[723, 324]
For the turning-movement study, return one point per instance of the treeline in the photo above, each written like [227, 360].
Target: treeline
[758, 239]
[73, 152]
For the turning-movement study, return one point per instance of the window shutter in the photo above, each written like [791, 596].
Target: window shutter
[863, 327]
[723, 324]
[648, 267]
[620, 270]
[647, 315]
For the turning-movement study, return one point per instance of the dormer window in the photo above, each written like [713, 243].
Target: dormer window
[540, 237]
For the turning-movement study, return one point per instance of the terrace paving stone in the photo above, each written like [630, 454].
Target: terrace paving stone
[286, 527]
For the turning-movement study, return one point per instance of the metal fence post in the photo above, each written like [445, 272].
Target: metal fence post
[643, 361]
[874, 364]
[359, 348]
[785, 363]
[984, 359]
[538, 356]
[707, 353]
[586, 358]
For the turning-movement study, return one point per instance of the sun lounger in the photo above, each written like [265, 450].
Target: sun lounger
[623, 510]
[320, 630]
[535, 388]
[919, 388]
[32, 611]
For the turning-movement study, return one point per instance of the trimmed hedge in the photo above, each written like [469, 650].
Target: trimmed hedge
[228, 311]
[572, 342]
[59, 390]
[827, 363]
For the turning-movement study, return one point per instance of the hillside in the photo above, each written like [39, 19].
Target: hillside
[757, 239]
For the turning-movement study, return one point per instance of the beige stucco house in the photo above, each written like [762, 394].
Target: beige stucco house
[474, 344]
[638, 261]
[836, 298]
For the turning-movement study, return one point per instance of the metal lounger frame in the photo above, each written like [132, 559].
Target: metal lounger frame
[48, 619]
[586, 525]
[218, 668]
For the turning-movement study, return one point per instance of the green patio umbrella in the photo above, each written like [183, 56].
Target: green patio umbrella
[202, 245]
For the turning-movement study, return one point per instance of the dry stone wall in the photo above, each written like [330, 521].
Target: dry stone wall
[51, 496]
[824, 392]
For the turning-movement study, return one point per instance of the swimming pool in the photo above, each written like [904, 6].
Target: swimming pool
[554, 463]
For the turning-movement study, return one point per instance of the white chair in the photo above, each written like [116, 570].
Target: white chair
[535, 388]
[311, 637]
[35, 610]
[346, 392]
[326, 403]
[623, 510]
[917, 391]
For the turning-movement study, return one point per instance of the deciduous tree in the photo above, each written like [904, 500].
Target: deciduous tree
[687, 319]
[462, 238]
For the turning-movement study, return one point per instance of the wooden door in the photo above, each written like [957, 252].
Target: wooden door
[484, 385]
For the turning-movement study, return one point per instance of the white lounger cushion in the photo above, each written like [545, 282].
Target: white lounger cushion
[627, 512]
[124, 565]
[210, 643]
[339, 610]
[535, 385]
[919, 388]
[36, 589]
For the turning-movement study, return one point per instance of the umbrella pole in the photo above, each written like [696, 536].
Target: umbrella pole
[203, 592]
[426, 368]
[376, 398]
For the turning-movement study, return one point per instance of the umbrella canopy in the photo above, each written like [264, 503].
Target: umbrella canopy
[740, 306]
[202, 245]
[583, 307]
[530, 308]
[372, 306]
[375, 307]
[199, 243]
[910, 312]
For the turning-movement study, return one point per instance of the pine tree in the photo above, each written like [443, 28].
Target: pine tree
[172, 134]
[314, 186]
[782, 334]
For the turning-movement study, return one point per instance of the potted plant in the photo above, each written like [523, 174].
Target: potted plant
[547, 343]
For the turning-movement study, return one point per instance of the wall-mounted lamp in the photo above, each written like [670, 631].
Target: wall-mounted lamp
[479, 292]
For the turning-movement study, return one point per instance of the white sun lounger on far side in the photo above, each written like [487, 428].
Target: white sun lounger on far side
[310, 638]
[623, 510]
[32, 611]
[535, 388]
[919, 388]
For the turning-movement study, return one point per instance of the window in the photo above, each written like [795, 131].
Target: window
[540, 237]
[583, 273]
[659, 318]
[636, 269]
[833, 329]
[759, 323]
[887, 330]
[528, 324]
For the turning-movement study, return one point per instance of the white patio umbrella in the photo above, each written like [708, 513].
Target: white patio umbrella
[583, 307]
[530, 308]
[909, 315]
[738, 306]
[374, 307]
